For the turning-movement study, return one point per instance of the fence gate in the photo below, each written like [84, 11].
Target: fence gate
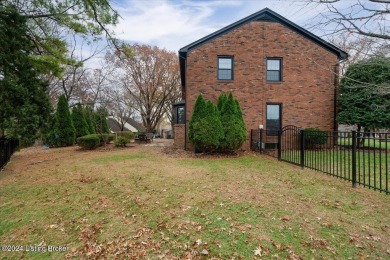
[290, 143]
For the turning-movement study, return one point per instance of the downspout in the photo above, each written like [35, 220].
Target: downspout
[183, 56]
[185, 126]
[335, 92]
[185, 104]
[335, 88]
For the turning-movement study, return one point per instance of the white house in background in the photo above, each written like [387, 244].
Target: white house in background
[165, 129]
[130, 125]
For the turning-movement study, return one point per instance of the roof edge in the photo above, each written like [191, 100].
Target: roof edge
[265, 14]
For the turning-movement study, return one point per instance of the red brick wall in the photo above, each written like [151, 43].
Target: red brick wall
[179, 139]
[307, 89]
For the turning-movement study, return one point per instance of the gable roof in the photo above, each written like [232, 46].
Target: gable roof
[136, 125]
[265, 14]
[115, 126]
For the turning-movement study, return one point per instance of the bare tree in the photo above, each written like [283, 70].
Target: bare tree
[98, 84]
[75, 75]
[359, 48]
[369, 18]
[121, 106]
[149, 75]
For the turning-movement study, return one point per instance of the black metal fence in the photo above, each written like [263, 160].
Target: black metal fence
[362, 159]
[7, 148]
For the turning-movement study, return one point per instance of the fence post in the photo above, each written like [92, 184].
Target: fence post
[302, 144]
[279, 144]
[354, 159]
[260, 140]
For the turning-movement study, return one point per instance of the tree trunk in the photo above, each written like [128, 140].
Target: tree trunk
[360, 141]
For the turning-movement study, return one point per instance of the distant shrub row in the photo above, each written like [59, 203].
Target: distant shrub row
[93, 141]
[65, 127]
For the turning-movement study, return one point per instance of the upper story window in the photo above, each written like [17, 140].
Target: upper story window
[225, 68]
[274, 69]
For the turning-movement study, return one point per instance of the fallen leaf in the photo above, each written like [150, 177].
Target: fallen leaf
[277, 245]
[53, 226]
[204, 252]
[258, 251]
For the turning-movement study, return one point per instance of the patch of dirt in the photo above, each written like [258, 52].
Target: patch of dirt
[174, 152]
[111, 147]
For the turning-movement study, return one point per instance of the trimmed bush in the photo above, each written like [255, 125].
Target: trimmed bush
[314, 136]
[89, 141]
[199, 113]
[217, 128]
[234, 128]
[106, 138]
[127, 134]
[207, 131]
[111, 137]
[221, 101]
[121, 141]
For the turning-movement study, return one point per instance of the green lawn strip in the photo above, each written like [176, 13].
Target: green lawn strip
[56, 215]
[371, 168]
[368, 143]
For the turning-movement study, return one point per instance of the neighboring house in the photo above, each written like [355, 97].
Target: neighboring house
[130, 125]
[280, 73]
[165, 130]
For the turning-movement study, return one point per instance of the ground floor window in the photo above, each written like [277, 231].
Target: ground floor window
[180, 115]
[274, 118]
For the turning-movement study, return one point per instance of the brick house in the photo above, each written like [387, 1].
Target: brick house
[280, 73]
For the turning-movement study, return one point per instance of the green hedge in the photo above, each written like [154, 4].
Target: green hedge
[106, 138]
[314, 136]
[126, 134]
[121, 141]
[89, 141]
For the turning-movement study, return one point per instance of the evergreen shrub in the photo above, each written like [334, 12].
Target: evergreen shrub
[121, 141]
[90, 142]
[234, 128]
[79, 121]
[127, 134]
[220, 128]
[314, 136]
[65, 130]
[206, 129]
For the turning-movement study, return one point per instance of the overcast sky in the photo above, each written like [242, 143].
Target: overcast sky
[172, 24]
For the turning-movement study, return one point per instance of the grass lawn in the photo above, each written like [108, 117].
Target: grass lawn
[372, 168]
[155, 203]
[368, 142]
